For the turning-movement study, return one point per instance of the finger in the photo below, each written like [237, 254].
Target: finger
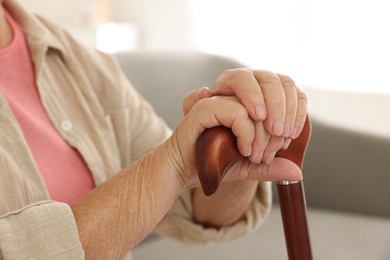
[275, 100]
[243, 84]
[290, 91]
[301, 113]
[227, 111]
[286, 143]
[260, 142]
[274, 145]
[194, 96]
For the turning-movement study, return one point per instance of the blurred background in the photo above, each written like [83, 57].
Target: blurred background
[337, 50]
[333, 44]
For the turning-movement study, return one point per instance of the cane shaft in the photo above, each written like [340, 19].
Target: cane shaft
[293, 211]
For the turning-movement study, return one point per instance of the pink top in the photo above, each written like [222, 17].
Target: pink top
[64, 171]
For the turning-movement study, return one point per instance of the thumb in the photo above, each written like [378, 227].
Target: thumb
[280, 169]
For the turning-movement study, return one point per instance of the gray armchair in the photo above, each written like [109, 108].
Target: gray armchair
[164, 78]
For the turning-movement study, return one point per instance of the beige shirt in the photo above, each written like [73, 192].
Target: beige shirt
[97, 111]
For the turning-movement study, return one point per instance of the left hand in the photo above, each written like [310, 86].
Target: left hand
[272, 99]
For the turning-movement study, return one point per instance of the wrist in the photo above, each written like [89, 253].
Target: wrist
[163, 157]
[181, 163]
[133, 201]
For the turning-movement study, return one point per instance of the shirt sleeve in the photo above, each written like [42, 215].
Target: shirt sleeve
[45, 230]
[138, 130]
[178, 224]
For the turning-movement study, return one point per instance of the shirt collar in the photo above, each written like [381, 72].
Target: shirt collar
[38, 35]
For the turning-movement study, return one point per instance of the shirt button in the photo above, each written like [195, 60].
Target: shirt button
[66, 125]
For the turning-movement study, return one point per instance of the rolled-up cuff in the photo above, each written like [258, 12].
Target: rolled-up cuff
[45, 230]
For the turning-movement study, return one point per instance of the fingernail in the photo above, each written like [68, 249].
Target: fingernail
[295, 133]
[278, 127]
[286, 143]
[248, 150]
[204, 92]
[260, 112]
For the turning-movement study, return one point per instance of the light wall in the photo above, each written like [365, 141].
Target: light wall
[68, 13]
[332, 44]
[160, 24]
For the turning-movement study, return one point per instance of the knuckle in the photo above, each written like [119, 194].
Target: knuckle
[302, 96]
[286, 80]
[234, 74]
[279, 106]
[205, 103]
[240, 121]
[241, 112]
[266, 76]
[230, 76]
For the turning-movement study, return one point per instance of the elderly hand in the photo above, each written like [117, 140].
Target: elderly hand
[270, 99]
[229, 111]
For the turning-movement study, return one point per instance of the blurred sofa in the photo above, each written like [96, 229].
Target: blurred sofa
[346, 170]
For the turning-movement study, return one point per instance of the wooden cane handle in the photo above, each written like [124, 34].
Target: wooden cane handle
[216, 151]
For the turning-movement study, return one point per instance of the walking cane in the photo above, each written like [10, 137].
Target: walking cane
[216, 151]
